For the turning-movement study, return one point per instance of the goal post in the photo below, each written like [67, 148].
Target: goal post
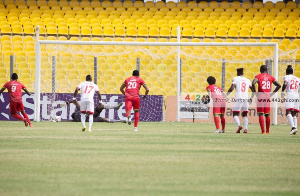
[179, 54]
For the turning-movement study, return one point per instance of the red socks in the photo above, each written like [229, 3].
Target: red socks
[26, 116]
[262, 123]
[268, 122]
[17, 116]
[136, 118]
[217, 122]
[223, 123]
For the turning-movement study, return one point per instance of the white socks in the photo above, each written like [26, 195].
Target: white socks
[237, 120]
[82, 117]
[291, 120]
[295, 121]
[91, 120]
[245, 120]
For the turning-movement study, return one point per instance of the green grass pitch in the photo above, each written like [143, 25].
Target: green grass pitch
[160, 159]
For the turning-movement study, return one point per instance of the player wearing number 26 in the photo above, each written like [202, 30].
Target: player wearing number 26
[15, 98]
[291, 84]
[219, 103]
[265, 82]
[132, 99]
[88, 90]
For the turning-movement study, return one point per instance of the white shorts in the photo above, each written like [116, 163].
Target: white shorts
[292, 102]
[86, 107]
[240, 106]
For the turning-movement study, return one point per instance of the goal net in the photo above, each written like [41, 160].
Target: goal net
[169, 69]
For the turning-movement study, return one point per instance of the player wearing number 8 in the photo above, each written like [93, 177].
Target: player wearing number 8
[132, 99]
[265, 82]
[291, 84]
[88, 90]
[15, 99]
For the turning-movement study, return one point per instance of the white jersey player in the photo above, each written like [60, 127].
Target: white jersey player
[291, 84]
[88, 90]
[241, 85]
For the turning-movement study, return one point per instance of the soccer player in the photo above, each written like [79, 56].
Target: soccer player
[132, 99]
[291, 84]
[219, 104]
[15, 98]
[265, 82]
[76, 115]
[88, 90]
[241, 85]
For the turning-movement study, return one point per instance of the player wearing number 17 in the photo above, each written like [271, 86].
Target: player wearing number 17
[132, 99]
[291, 84]
[265, 82]
[15, 98]
[88, 90]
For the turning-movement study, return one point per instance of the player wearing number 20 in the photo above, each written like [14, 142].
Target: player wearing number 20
[88, 90]
[219, 103]
[132, 99]
[15, 98]
[291, 84]
[265, 82]
[241, 85]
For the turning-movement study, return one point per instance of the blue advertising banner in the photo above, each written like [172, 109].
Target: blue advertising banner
[54, 105]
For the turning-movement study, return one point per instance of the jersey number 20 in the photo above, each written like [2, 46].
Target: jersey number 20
[131, 85]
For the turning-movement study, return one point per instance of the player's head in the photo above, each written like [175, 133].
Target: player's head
[240, 71]
[211, 80]
[289, 70]
[136, 73]
[263, 69]
[14, 76]
[88, 78]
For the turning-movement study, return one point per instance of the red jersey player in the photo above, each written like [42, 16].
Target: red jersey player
[15, 98]
[132, 99]
[265, 82]
[219, 104]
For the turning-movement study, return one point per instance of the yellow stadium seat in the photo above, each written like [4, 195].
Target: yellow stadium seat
[267, 33]
[291, 33]
[131, 31]
[187, 32]
[210, 32]
[256, 33]
[160, 4]
[280, 5]
[221, 32]
[199, 32]
[244, 33]
[278, 33]
[153, 32]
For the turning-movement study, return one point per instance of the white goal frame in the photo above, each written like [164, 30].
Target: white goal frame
[178, 44]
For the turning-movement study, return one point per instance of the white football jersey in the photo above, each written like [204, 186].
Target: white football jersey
[242, 85]
[88, 90]
[292, 83]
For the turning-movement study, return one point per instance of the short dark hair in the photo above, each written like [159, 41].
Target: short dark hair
[136, 73]
[88, 78]
[289, 70]
[211, 80]
[263, 68]
[14, 76]
[240, 71]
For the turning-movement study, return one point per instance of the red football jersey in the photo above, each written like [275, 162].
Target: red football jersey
[216, 92]
[265, 82]
[133, 85]
[14, 90]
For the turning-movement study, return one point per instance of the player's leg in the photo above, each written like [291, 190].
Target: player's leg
[83, 107]
[222, 116]
[13, 111]
[236, 115]
[245, 117]
[90, 112]
[268, 119]
[260, 113]
[294, 117]
[20, 107]
[290, 117]
[217, 123]
[128, 106]
[136, 108]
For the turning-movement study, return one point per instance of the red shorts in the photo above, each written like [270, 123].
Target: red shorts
[132, 102]
[263, 107]
[15, 107]
[218, 110]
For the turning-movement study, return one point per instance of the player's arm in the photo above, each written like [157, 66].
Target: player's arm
[232, 87]
[122, 88]
[76, 93]
[254, 81]
[146, 92]
[284, 86]
[278, 86]
[99, 96]
[2, 89]
[26, 91]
